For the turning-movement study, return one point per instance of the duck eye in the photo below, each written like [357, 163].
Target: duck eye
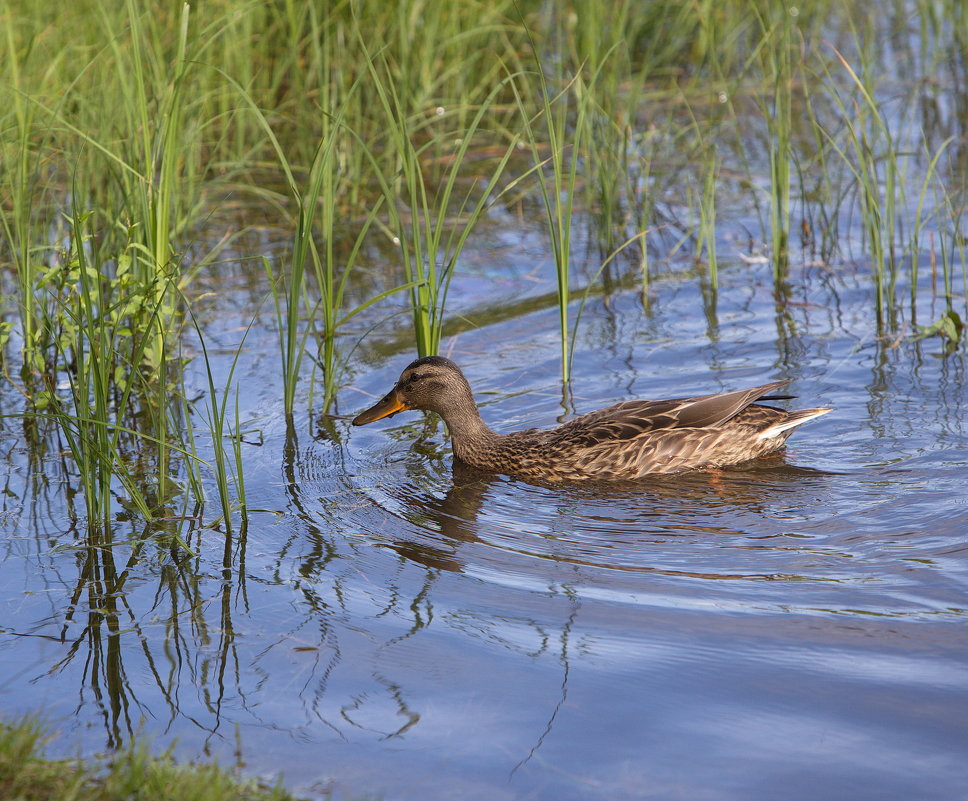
[413, 379]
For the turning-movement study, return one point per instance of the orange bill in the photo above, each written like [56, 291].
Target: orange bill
[389, 405]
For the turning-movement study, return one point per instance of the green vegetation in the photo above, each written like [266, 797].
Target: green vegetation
[352, 150]
[558, 190]
[140, 143]
[429, 242]
[130, 775]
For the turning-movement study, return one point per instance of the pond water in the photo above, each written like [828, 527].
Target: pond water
[794, 628]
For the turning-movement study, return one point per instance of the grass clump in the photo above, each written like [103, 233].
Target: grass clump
[129, 775]
[557, 176]
[429, 217]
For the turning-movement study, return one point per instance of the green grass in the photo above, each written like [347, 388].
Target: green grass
[133, 774]
[376, 138]
[777, 48]
[88, 316]
[428, 239]
[557, 175]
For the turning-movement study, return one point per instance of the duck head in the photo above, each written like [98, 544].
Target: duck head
[433, 384]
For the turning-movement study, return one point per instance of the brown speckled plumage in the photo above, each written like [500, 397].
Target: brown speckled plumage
[627, 440]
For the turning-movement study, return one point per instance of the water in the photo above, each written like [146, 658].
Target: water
[794, 628]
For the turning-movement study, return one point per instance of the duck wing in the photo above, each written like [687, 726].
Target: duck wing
[631, 419]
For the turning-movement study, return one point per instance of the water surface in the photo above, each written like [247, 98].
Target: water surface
[793, 628]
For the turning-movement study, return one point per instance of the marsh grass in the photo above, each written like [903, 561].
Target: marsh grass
[316, 199]
[872, 156]
[882, 158]
[227, 475]
[777, 54]
[555, 115]
[707, 217]
[950, 254]
[429, 238]
[93, 349]
[125, 125]
[107, 320]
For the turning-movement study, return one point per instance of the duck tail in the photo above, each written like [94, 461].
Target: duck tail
[792, 420]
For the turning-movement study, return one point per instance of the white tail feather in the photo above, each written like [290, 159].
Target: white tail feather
[798, 419]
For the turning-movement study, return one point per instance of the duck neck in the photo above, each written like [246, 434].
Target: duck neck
[468, 432]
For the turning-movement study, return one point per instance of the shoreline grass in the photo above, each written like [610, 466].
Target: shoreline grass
[130, 774]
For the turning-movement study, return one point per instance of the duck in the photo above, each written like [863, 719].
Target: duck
[628, 440]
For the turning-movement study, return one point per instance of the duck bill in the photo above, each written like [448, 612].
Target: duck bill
[389, 405]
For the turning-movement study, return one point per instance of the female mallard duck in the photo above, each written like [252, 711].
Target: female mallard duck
[624, 441]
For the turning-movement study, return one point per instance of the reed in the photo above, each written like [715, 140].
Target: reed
[868, 149]
[438, 220]
[706, 236]
[158, 188]
[229, 478]
[317, 200]
[774, 54]
[320, 191]
[26, 201]
[822, 173]
[555, 117]
[93, 348]
[952, 246]
[605, 52]
[99, 321]
[922, 218]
